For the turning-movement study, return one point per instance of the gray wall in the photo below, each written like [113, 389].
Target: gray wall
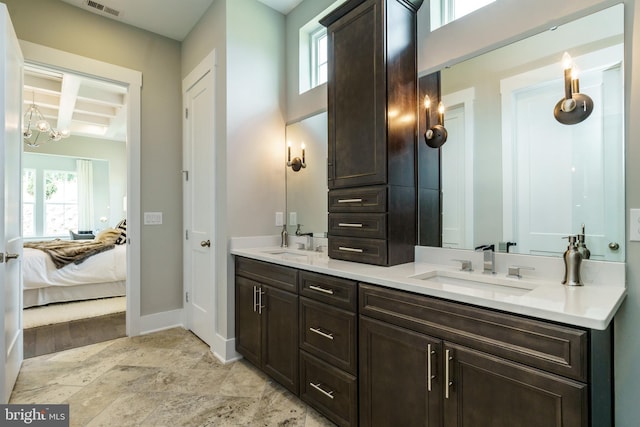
[507, 20]
[61, 26]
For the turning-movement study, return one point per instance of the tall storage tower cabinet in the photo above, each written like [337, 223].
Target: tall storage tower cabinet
[372, 119]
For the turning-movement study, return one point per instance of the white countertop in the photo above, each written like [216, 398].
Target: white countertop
[590, 306]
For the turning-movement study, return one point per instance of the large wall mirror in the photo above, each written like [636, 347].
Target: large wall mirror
[510, 171]
[307, 187]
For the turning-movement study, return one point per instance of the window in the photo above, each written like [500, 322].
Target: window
[313, 45]
[60, 202]
[28, 202]
[445, 11]
[319, 63]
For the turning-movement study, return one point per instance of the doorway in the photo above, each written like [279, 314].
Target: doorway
[127, 205]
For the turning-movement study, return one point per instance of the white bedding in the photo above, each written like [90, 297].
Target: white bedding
[38, 270]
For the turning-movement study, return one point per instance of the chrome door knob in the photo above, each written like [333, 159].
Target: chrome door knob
[614, 246]
[205, 243]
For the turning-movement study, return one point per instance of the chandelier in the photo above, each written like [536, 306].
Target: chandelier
[35, 123]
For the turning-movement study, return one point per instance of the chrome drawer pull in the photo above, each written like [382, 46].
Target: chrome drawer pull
[329, 394]
[430, 376]
[323, 290]
[255, 299]
[322, 334]
[346, 224]
[448, 383]
[342, 248]
[349, 200]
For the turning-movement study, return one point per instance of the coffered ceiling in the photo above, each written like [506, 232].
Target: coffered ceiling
[84, 106]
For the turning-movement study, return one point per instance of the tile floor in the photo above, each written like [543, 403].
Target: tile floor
[168, 378]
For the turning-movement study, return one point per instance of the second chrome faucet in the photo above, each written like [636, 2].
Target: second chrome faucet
[489, 260]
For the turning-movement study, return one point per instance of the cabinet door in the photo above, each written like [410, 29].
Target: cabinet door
[248, 328]
[357, 99]
[485, 390]
[280, 336]
[395, 364]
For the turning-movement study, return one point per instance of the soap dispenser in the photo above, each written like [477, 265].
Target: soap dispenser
[572, 261]
[582, 246]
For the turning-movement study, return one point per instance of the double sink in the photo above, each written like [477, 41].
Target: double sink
[448, 280]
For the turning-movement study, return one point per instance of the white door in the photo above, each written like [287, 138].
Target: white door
[199, 196]
[453, 180]
[579, 164]
[10, 205]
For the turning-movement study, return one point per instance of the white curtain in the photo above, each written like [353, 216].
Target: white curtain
[84, 169]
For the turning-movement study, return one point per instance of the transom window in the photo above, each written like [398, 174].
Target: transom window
[319, 57]
[446, 11]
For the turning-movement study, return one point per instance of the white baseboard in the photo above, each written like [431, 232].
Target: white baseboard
[225, 349]
[161, 321]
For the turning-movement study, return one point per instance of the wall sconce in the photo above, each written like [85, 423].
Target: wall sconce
[297, 163]
[436, 135]
[575, 106]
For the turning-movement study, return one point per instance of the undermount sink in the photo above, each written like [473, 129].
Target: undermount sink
[452, 281]
[290, 255]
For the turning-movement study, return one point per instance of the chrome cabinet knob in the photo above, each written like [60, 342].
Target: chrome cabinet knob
[205, 243]
[614, 246]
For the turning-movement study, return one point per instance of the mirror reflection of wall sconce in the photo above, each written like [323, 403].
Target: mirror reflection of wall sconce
[436, 135]
[297, 163]
[575, 106]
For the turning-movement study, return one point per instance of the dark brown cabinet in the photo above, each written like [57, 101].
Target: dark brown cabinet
[267, 319]
[400, 379]
[367, 355]
[429, 362]
[372, 105]
[328, 346]
[487, 390]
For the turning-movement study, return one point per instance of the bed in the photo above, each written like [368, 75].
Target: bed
[99, 276]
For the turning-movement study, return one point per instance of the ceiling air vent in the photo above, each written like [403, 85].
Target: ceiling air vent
[102, 8]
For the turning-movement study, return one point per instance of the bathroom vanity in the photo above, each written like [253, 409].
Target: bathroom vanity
[426, 344]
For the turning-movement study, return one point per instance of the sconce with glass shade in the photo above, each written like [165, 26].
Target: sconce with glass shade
[575, 106]
[297, 163]
[435, 136]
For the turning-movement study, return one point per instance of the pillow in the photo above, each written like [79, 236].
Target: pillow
[108, 235]
[81, 235]
[122, 227]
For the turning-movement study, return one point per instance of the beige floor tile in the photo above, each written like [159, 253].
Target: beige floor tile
[169, 378]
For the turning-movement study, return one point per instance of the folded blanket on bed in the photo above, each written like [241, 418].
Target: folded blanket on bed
[63, 252]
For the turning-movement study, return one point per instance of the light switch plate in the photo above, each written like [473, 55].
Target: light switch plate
[153, 218]
[279, 219]
[634, 225]
[293, 218]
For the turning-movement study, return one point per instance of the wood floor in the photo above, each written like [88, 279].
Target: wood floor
[77, 333]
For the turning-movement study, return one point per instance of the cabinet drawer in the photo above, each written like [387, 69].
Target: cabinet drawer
[369, 251]
[334, 291]
[329, 390]
[370, 225]
[278, 276]
[328, 333]
[361, 199]
[550, 347]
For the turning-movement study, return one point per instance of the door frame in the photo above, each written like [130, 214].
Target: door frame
[205, 69]
[132, 79]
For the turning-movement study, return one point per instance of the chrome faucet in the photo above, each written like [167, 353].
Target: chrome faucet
[309, 243]
[489, 261]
